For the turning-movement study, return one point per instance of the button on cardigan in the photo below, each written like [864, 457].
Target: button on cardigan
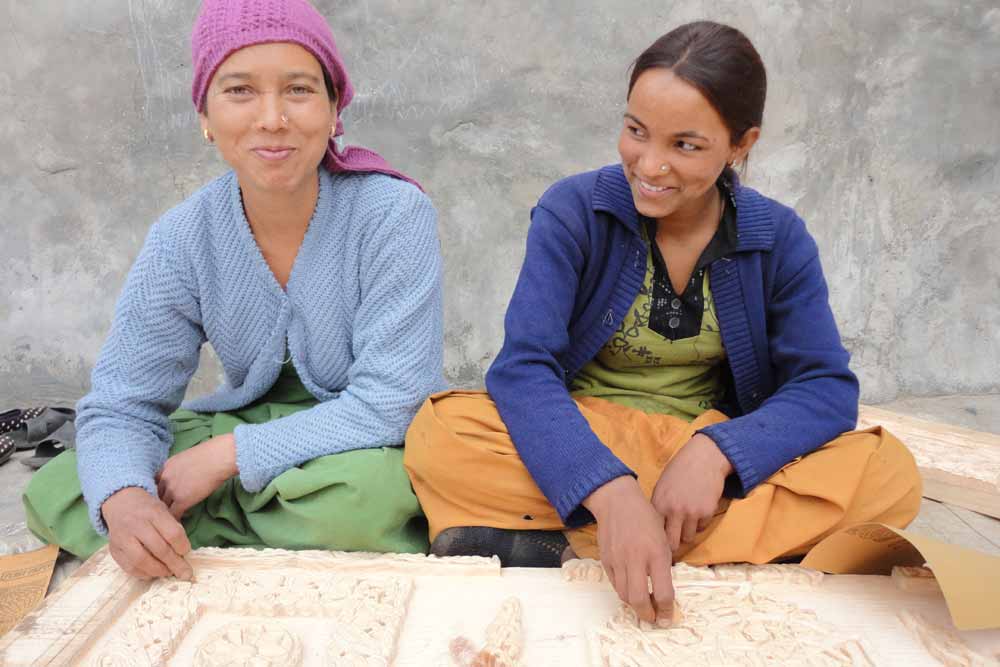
[583, 268]
[361, 318]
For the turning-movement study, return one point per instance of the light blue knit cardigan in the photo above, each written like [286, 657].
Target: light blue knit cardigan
[361, 314]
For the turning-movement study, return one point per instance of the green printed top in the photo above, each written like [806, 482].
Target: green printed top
[667, 356]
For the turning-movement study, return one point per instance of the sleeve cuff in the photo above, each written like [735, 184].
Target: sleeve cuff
[745, 475]
[251, 477]
[94, 508]
[570, 507]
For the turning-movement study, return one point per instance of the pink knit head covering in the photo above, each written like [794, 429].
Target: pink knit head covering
[225, 26]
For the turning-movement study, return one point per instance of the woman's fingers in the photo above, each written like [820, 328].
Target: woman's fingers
[663, 588]
[637, 584]
[176, 509]
[689, 530]
[610, 571]
[173, 532]
[675, 525]
[137, 561]
[163, 554]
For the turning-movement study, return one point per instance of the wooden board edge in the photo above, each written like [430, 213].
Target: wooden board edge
[121, 589]
[875, 415]
[944, 488]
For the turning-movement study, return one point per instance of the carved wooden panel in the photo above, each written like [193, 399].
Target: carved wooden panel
[317, 608]
[728, 623]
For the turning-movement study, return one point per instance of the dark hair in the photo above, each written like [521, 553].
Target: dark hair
[721, 63]
[331, 90]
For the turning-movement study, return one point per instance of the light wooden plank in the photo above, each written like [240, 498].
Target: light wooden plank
[959, 466]
[987, 527]
[941, 522]
[67, 621]
[319, 609]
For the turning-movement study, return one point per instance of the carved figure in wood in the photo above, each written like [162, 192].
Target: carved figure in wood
[582, 569]
[256, 644]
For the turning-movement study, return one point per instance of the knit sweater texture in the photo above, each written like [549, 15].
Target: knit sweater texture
[790, 388]
[360, 317]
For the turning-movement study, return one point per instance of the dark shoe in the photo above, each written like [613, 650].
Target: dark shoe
[32, 426]
[6, 449]
[59, 441]
[45, 452]
[14, 419]
[515, 548]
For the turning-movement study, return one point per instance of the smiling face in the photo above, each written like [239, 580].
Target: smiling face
[268, 111]
[674, 145]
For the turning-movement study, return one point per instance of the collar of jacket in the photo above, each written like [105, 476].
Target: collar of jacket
[754, 224]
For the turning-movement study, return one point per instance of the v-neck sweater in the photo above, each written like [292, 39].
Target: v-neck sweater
[361, 318]
[791, 388]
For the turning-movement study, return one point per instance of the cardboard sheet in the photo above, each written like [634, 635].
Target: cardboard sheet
[24, 578]
[969, 579]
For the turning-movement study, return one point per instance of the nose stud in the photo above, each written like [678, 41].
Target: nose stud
[663, 167]
[284, 119]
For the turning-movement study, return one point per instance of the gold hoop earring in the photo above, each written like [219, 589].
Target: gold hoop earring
[208, 136]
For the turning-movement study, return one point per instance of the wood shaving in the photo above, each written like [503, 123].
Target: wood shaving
[504, 641]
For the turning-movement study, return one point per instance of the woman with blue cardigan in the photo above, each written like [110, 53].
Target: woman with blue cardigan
[671, 367]
[315, 274]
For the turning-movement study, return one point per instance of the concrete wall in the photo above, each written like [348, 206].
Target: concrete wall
[882, 129]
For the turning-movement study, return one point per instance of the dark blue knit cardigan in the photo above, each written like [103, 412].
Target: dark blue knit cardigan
[790, 387]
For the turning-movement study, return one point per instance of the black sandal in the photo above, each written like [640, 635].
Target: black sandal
[45, 452]
[25, 428]
[59, 441]
[14, 419]
[6, 449]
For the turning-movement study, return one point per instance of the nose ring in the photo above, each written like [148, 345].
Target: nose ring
[663, 167]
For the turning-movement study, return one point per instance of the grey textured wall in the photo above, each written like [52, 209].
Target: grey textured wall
[882, 129]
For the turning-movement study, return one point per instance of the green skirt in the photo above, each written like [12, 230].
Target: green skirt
[355, 501]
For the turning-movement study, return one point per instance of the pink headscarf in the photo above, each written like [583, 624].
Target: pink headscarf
[225, 26]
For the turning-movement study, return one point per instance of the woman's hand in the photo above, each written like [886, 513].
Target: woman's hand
[193, 475]
[633, 547]
[690, 486]
[145, 540]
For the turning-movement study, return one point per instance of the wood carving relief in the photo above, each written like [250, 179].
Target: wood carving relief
[317, 608]
[504, 641]
[593, 571]
[365, 616]
[944, 643]
[726, 624]
[251, 644]
[915, 579]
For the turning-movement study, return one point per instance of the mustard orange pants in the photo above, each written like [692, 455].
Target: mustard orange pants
[466, 472]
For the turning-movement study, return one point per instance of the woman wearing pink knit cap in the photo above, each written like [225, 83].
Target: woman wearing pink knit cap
[315, 274]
